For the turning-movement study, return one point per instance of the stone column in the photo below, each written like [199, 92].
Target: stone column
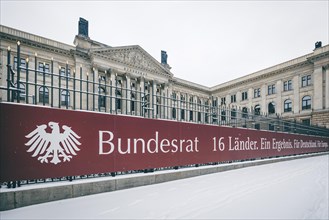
[238, 98]
[178, 106]
[228, 100]
[169, 101]
[140, 108]
[55, 90]
[296, 101]
[95, 88]
[128, 94]
[250, 97]
[264, 107]
[327, 87]
[318, 88]
[278, 107]
[153, 98]
[112, 92]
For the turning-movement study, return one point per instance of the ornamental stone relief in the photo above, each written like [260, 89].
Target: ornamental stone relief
[132, 58]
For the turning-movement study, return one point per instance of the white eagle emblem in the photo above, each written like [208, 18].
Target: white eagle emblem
[54, 144]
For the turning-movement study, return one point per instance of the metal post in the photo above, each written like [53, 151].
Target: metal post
[27, 82]
[87, 91]
[67, 85]
[74, 89]
[105, 90]
[80, 87]
[35, 77]
[43, 83]
[110, 93]
[18, 92]
[8, 74]
[99, 96]
[115, 91]
[93, 89]
[59, 87]
[52, 82]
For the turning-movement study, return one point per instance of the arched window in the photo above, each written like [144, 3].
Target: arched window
[21, 92]
[133, 102]
[244, 112]
[118, 95]
[257, 109]
[271, 108]
[101, 97]
[233, 114]
[287, 105]
[65, 97]
[223, 115]
[306, 102]
[44, 94]
[174, 113]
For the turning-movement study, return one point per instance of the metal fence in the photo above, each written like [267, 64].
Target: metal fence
[109, 93]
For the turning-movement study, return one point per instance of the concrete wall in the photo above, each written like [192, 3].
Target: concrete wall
[23, 197]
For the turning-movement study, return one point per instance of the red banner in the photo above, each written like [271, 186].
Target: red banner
[39, 142]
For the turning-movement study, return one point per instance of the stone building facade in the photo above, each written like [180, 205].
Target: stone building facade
[125, 78]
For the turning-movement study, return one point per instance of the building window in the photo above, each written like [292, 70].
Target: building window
[256, 93]
[223, 101]
[182, 98]
[233, 98]
[287, 126]
[257, 109]
[182, 114]
[22, 93]
[101, 97]
[271, 89]
[306, 121]
[306, 80]
[191, 115]
[43, 94]
[288, 105]
[199, 116]
[132, 105]
[306, 102]
[214, 102]
[271, 108]
[47, 68]
[63, 72]
[191, 100]
[287, 85]
[65, 98]
[199, 101]
[23, 63]
[244, 95]
[174, 96]
[206, 117]
[173, 113]
[233, 114]
[223, 115]
[244, 112]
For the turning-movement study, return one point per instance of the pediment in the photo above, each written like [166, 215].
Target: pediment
[132, 57]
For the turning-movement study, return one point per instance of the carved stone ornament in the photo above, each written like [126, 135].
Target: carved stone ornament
[133, 57]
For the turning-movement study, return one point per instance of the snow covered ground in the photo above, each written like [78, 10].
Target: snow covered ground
[296, 189]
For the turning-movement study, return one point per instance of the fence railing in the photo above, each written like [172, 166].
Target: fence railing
[107, 92]
[110, 93]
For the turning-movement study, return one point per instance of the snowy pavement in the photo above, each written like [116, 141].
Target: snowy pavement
[296, 189]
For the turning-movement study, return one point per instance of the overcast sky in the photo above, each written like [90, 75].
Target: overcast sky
[207, 42]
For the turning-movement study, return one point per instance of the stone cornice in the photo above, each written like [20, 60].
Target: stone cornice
[132, 57]
[35, 41]
[191, 85]
[274, 70]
